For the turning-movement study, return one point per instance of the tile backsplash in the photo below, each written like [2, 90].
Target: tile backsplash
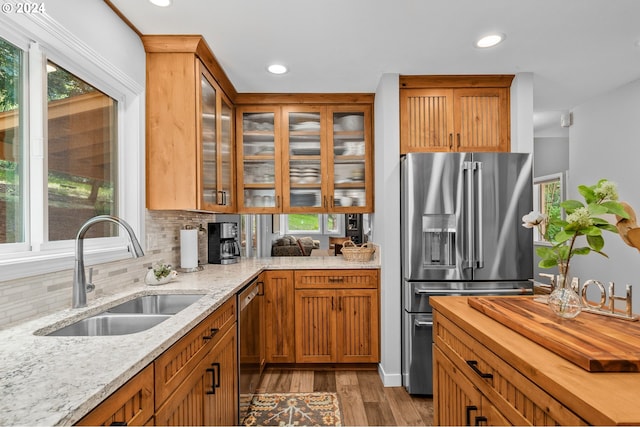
[35, 296]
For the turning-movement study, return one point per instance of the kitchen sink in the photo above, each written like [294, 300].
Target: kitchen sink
[156, 304]
[129, 317]
[110, 324]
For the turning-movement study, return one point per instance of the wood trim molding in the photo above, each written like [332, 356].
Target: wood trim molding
[123, 18]
[455, 81]
[304, 98]
[197, 45]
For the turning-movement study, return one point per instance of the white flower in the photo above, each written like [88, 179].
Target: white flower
[533, 219]
[606, 190]
[580, 217]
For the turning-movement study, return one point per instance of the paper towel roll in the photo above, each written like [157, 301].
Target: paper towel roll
[189, 248]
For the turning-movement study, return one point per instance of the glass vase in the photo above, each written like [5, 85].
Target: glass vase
[564, 301]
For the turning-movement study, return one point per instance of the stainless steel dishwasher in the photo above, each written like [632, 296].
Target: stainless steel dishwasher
[250, 344]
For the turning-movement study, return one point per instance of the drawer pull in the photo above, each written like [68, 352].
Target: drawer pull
[213, 332]
[470, 408]
[214, 384]
[336, 279]
[473, 364]
[118, 423]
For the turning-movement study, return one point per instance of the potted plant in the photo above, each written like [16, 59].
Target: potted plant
[583, 219]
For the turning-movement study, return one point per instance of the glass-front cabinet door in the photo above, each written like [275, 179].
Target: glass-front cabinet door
[226, 193]
[209, 142]
[216, 142]
[259, 160]
[304, 167]
[350, 171]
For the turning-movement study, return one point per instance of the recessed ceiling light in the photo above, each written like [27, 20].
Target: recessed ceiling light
[277, 69]
[161, 3]
[490, 40]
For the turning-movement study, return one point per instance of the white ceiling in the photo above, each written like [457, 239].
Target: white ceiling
[576, 49]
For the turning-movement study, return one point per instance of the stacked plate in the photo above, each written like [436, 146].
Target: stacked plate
[304, 175]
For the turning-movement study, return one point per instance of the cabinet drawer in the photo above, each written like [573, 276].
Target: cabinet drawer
[131, 404]
[174, 365]
[357, 279]
[513, 395]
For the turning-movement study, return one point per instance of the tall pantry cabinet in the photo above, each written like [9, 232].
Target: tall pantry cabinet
[190, 142]
[455, 113]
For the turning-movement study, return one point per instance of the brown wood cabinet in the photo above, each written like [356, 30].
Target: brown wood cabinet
[131, 404]
[298, 157]
[454, 113]
[279, 318]
[337, 316]
[208, 396]
[481, 384]
[189, 132]
[194, 382]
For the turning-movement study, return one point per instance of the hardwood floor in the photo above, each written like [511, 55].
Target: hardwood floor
[363, 399]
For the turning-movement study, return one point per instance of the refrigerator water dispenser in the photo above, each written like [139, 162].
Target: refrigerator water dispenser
[439, 240]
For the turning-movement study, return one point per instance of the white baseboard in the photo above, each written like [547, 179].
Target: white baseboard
[389, 379]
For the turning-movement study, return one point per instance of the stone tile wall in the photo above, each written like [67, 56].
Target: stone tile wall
[35, 296]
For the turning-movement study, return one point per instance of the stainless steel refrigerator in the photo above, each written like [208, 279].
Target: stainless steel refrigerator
[461, 235]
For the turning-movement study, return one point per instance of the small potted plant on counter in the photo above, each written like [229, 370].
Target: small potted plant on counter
[159, 274]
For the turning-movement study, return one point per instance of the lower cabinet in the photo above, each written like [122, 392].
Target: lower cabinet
[131, 404]
[194, 382]
[337, 316]
[474, 386]
[209, 394]
[464, 405]
[279, 316]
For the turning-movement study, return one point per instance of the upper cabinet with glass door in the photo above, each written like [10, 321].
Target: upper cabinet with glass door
[190, 138]
[216, 116]
[259, 160]
[350, 165]
[305, 147]
[323, 158]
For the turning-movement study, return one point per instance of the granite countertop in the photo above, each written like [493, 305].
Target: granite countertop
[48, 380]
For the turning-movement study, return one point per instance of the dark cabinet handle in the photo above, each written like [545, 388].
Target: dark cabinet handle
[480, 420]
[118, 423]
[336, 279]
[470, 408]
[215, 377]
[450, 141]
[473, 364]
[213, 332]
[458, 140]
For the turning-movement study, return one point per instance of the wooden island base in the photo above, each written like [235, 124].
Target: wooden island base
[486, 373]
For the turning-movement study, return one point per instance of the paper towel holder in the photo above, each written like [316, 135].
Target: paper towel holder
[199, 267]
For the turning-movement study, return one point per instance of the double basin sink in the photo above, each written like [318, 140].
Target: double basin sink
[129, 317]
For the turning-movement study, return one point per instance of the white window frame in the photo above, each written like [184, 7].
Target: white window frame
[322, 220]
[44, 39]
[537, 238]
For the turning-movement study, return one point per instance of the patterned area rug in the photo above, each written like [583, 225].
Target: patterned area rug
[294, 409]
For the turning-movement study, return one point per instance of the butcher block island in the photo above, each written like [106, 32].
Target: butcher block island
[486, 371]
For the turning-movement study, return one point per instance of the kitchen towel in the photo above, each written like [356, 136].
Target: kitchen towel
[189, 248]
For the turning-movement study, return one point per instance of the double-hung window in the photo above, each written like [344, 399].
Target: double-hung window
[63, 157]
[548, 193]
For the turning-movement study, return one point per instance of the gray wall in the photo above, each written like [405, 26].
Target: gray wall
[605, 144]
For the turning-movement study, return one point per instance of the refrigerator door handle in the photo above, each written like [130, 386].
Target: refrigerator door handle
[422, 323]
[436, 292]
[470, 211]
[479, 222]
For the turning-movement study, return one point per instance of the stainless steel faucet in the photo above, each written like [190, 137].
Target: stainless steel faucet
[79, 279]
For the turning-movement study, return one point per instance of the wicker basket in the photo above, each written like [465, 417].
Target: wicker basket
[353, 252]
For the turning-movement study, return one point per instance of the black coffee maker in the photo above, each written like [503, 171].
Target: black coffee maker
[223, 242]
